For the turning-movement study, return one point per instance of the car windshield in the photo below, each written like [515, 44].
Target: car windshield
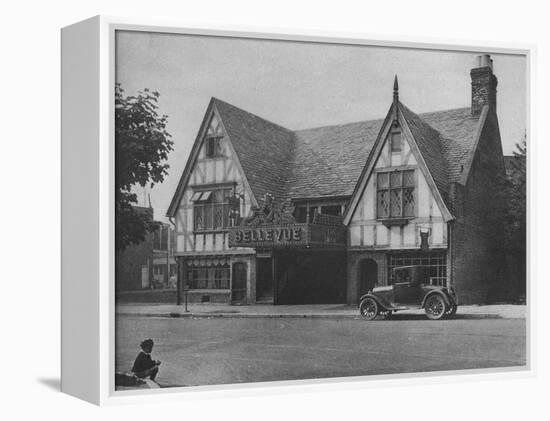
[402, 275]
[410, 274]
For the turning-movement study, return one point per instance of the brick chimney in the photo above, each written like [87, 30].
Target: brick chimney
[484, 85]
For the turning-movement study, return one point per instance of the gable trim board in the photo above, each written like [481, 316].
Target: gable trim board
[211, 110]
[375, 154]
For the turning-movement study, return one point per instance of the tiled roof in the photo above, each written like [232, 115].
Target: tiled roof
[458, 130]
[327, 161]
[264, 149]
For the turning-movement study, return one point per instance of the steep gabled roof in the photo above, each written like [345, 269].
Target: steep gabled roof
[264, 149]
[458, 130]
[429, 143]
[328, 161]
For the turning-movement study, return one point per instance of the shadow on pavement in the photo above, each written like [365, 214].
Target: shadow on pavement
[404, 316]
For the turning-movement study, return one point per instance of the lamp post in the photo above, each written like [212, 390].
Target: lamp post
[185, 292]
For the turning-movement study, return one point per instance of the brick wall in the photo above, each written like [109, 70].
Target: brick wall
[484, 89]
[166, 296]
[477, 261]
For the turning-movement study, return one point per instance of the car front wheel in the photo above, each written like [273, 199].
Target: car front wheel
[368, 309]
[435, 307]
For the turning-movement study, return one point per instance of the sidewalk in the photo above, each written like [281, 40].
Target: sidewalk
[329, 311]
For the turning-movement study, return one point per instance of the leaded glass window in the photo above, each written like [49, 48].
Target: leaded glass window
[408, 202]
[395, 178]
[408, 178]
[395, 194]
[383, 204]
[211, 210]
[198, 215]
[383, 180]
[395, 203]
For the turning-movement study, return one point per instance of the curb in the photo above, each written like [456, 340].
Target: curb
[398, 317]
[241, 316]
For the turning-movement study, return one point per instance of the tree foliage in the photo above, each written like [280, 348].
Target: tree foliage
[516, 212]
[142, 145]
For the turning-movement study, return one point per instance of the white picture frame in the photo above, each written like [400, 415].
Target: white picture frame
[88, 304]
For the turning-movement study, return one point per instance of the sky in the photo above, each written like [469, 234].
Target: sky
[301, 85]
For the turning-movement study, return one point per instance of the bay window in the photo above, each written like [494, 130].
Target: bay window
[211, 210]
[395, 196]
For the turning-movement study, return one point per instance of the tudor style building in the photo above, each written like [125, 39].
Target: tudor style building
[266, 214]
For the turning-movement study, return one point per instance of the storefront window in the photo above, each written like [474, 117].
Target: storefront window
[436, 262]
[208, 277]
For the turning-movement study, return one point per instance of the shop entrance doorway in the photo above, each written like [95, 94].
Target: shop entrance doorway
[368, 276]
[264, 280]
[238, 283]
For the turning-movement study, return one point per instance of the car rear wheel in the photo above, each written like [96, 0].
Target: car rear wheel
[435, 307]
[368, 309]
[452, 311]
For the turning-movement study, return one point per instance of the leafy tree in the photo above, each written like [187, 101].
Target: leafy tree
[516, 214]
[142, 145]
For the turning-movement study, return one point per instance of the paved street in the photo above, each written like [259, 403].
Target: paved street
[200, 351]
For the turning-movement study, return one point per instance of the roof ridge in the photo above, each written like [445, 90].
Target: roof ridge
[374, 120]
[446, 110]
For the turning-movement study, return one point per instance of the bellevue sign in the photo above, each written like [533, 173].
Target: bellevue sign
[267, 236]
[286, 235]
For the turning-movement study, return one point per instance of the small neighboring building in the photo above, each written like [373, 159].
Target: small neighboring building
[267, 214]
[149, 264]
[164, 262]
[134, 264]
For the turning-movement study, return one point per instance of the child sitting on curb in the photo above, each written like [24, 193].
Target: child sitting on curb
[144, 366]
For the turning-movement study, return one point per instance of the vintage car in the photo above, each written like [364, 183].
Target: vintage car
[412, 288]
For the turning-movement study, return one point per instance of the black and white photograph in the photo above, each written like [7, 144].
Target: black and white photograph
[291, 210]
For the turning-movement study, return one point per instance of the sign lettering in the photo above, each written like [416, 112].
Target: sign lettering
[245, 236]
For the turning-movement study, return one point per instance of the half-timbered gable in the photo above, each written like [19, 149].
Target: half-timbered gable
[397, 200]
[215, 176]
